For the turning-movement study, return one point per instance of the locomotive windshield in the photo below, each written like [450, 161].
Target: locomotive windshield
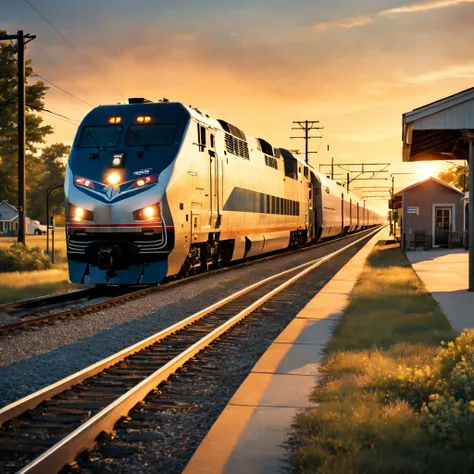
[160, 134]
[100, 137]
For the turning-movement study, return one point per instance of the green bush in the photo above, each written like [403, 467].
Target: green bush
[442, 391]
[21, 258]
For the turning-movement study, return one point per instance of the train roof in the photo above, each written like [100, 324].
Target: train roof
[220, 124]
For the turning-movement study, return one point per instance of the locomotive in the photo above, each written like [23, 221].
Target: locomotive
[157, 189]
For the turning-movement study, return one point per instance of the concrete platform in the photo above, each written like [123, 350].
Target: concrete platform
[249, 434]
[445, 275]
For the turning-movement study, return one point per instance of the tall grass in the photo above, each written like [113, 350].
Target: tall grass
[21, 285]
[378, 405]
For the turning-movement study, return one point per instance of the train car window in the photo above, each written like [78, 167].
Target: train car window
[306, 173]
[267, 209]
[297, 208]
[100, 137]
[213, 141]
[291, 164]
[273, 208]
[155, 134]
[201, 131]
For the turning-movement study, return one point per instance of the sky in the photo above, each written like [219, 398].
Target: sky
[259, 64]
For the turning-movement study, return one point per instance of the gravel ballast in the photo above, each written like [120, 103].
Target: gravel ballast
[34, 358]
[162, 433]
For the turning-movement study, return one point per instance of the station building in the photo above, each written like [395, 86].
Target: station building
[444, 130]
[432, 215]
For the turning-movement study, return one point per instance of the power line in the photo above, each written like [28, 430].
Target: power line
[59, 116]
[71, 45]
[61, 69]
[58, 32]
[62, 90]
[42, 109]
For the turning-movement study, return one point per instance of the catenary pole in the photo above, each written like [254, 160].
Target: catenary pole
[307, 126]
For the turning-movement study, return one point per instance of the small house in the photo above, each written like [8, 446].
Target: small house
[8, 218]
[432, 212]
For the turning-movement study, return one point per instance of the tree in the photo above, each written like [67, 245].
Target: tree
[457, 176]
[43, 168]
[35, 130]
[50, 169]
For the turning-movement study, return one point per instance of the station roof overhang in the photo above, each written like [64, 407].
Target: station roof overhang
[438, 131]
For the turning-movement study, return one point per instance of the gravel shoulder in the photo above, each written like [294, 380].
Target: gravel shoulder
[35, 358]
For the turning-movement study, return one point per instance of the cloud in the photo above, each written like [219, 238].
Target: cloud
[451, 72]
[358, 21]
[344, 24]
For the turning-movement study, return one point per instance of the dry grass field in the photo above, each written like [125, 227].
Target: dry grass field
[21, 285]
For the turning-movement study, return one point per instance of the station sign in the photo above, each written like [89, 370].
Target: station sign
[412, 209]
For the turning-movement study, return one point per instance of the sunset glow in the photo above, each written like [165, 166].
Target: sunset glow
[259, 65]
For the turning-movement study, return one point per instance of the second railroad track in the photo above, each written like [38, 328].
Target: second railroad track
[48, 429]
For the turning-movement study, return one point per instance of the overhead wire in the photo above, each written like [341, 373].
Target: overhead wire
[42, 109]
[54, 114]
[37, 44]
[61, 89]
[69, 43]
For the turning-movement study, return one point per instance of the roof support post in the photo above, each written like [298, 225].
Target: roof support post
[470, 137]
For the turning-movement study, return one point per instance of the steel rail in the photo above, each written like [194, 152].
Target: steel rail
[41, 301]
[84, 437]
[49, 318]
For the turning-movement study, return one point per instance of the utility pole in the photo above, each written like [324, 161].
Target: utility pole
[307, 126]
[21, 43]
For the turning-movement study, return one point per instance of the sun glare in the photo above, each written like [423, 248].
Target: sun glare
[426, 170]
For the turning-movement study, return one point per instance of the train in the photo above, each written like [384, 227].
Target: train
[160, 189]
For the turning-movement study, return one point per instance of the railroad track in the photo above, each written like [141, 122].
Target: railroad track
[40, 311]
[44, 431]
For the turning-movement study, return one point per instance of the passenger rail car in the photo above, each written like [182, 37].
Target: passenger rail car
[160, 189]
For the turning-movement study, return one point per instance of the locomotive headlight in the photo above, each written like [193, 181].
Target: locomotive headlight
[77, 213]
[117, 160]
[113, 179]
[147, 213]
